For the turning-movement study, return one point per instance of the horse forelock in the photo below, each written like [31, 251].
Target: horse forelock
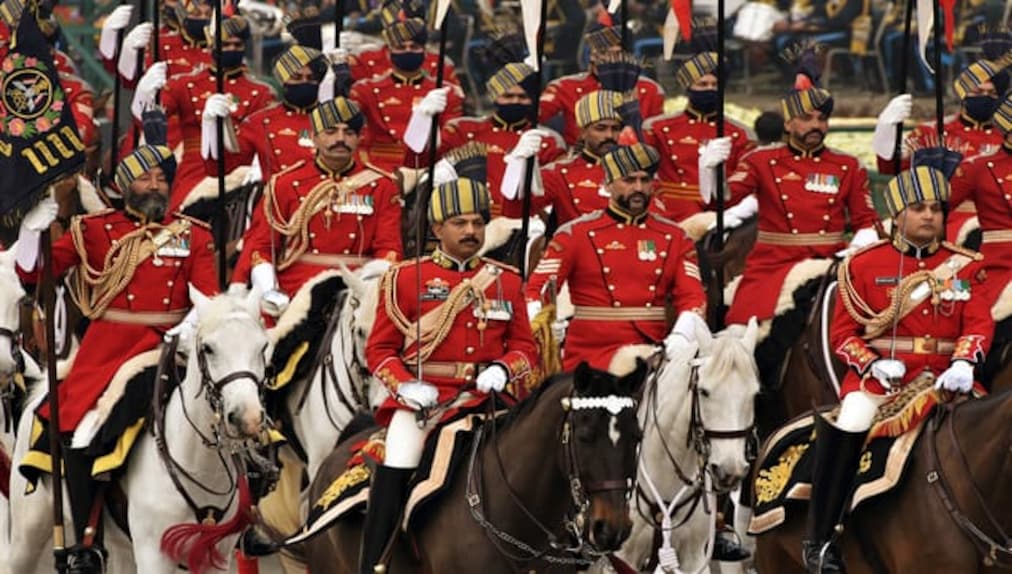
[729, 356]
[11, 292]
[221, 311]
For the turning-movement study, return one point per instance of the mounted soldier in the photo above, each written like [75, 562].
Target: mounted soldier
[907, 305]
[473, 338]
[132, 274]
[321, 213]
[623, 265]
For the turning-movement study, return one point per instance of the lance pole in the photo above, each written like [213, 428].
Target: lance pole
[525, 222]
[719, 199]
[117, 89]
[939, 104]
[904, 70]
[219, 218]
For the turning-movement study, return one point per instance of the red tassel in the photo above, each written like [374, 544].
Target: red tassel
[245, 564]
[5, 474]
[802, 82]
[627, 136]
[683, 13]
[604, 18]
[949, 13]
[197, 543]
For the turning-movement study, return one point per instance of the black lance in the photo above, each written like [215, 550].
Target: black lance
[48, 293]
[719, 199]
[904, 67]
[525, 222]
[117, 89]
[220, 227]
[937, 43]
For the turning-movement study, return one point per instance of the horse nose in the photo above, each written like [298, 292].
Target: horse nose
[608, 537]
[723, 479]
[245, 423]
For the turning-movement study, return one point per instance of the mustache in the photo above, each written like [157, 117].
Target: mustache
[337, 146]
[815, 131]
[470, 239]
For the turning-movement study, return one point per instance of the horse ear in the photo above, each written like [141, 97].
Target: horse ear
[703, 336]
[581, 376]
[251, 302]
[8, 257]
[199, 300]
[751, 334]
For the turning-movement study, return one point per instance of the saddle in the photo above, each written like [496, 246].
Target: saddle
[783, 475]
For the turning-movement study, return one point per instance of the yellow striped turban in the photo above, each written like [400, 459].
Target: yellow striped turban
[1003, 116]
[232, 27]
[974, 75]
[696, 67]
[800, 102]
[917, 185]
[513, 74]
[141, 161]
[459, 197]
[331, 113]
[603, 37]
[10, 13]
[401, 31]
[294, 59]
[625, 160]
[598, 106]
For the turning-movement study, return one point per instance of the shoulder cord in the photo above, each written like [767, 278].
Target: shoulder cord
[876, 322]
[297, 228]
[459, 298]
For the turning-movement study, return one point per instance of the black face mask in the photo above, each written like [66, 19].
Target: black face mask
[302, 95]
[231, 59]
[407, 61]
[512, 113]
[170, 17]
[980, 108]
[704, 101]
[194, 28]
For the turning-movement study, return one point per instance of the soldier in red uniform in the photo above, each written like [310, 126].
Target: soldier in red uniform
[185, 95]
[970, 132]
[81, 97]
[805, 194]
[986, 180]
[507, 133]
[943, 326]
[678, 137]
[475, 331]
[322, 212]
[561, 95]
[399, 105]
[621, 265]
[131, 301]
[182, 43]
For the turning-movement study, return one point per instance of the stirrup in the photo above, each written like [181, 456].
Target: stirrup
[823, 557]
[86, 559]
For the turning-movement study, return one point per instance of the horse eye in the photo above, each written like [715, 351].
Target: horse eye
[206, 349]
[705, 393]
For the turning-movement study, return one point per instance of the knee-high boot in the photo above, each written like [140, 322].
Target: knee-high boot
[837, 453]
[386, 500]
[84, 493]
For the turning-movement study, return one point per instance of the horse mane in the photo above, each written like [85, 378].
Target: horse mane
[729, 354]
[520, 410]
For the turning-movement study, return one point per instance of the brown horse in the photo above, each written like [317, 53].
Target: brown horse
[943, 517]
[729, 259]
[555, 473]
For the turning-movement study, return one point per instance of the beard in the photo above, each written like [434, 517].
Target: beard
[151, 205]
[626, 202]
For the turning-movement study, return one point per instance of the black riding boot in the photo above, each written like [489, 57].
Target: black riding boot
[386, 499]
[837, 453]
[83, 558]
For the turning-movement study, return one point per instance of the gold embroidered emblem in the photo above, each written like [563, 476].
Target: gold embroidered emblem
[772, 481]
[349, 478]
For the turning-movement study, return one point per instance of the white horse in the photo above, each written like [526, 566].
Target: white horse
[219, 399]
[696, 417]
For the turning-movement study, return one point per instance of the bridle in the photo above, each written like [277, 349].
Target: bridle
[580, 551]
[699, 435]
[17, 355]
[9, 388]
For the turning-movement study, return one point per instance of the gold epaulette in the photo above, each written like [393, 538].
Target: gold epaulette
[975, 255]
[98, 213]
[288, 169]
[192, 220]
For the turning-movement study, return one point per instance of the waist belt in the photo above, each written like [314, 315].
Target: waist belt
[325, 260]
[997, 236]
[620, 313]
[682, 191]
[449, 369]
[144, 317]
[800, 239]
[915, 345]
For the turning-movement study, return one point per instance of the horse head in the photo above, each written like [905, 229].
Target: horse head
[363, 296]
[229, 355]
[11, 294]
[723, 395]
[603, 436]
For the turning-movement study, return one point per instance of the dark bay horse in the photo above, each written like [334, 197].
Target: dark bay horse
[560, 467]
[964, 455]
[729, 259]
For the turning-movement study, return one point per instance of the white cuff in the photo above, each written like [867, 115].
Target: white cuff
[27, 252]
[143, 100]
[263, 277]
[416, 135]
[707, 183]
[107, 43]
[746, 208]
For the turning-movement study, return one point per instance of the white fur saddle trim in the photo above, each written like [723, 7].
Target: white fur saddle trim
[208, 187]
[99, 414]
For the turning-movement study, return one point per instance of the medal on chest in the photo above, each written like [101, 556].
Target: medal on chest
[353, 203]
[646, 250]
[494, 310]
[822, 183]
[169, 245]
[436, 290]
[955, 290]
[305, 140]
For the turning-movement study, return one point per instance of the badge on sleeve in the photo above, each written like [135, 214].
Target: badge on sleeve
[305, 140]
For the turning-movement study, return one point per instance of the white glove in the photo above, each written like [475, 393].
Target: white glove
[144, 95]
[184, 330]
[533, 308]
[264, 279]
[864, 236]
[889, 372]
[529, 144]
[559, 327]
[418, 395]
[714, 153]
[731, 221]
[274, 302]
[40, 216]
[337, 55]
[216, 106]
[434, 102]
[684, 331]
[898, 110]
[492, 379]
[116, 21]
[958, 378]
[736, 214]
[255, 173]
[138, 39]
[444, 172]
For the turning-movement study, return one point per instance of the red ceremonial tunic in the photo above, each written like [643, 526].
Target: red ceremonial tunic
[620, 272]
[503, 337]
[158, 286]
[561, 95]
[499, 138]
[184, 97]
[986, 180]
[81, 97]
[806, 200]
[387, 102]
[349, 229]
[376, 62]
[929, 337]
[278, 134]
[179, 54]
[677, 138]
[962, 134]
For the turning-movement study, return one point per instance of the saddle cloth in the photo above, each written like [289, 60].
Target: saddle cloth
[299, 333]
[447, 448]
[783, 477]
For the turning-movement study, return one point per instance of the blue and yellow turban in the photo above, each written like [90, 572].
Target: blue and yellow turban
[625, 160]
[459, 197]
[513, 74]
[598, 106]
[232, 27]
[974, 75]
[331, 113]
[294, 59]
[141, 161]
[1003, 115]
[918, 185]
[696, 67]
[401, 31]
